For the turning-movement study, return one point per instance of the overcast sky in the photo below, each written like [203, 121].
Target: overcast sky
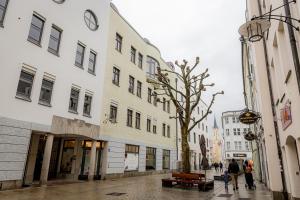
[190, 28]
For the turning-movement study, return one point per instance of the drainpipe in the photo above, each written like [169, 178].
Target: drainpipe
[292, 42]
[279, 152]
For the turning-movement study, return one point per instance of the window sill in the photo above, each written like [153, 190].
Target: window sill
[79, 66]
[21, 97]
[87, 115]
[45, 104]
[73, 111]
[53, 52]
[92, 73]
[34, 42]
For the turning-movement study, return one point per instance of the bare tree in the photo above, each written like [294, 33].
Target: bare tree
[193, 87]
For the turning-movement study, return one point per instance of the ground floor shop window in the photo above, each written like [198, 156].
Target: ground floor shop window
[131, 158]
[150, 158]
[67, 156]
[166, 159]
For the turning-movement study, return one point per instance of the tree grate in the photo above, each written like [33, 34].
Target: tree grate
[116, 194]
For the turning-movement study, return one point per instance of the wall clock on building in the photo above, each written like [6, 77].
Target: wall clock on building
[59, 1]
[90, 20]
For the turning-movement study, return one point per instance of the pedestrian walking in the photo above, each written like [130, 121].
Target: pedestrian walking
[248, 174]
[221, 166]
[226, 180]
[233, 170]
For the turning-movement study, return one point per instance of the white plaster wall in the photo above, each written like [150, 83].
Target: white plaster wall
[16, 50]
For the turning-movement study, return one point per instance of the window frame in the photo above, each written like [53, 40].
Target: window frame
[116, 73]
[20, 95]
[59, 30]
[92, 16]
[140, 60]
[42, 101]
[168, 131]
[77, 103]
[41, 29]
[93, 70]
[80, 65]
[139, 89]
[129, 117]
[113, 113]
[138, 120]
[149, 99]
[91, 100]
[133, 55]
[131, 84]
[119, 41]
[164, 130]
[3, 14]
[148, 123]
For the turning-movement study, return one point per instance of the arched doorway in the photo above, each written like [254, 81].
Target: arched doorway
[293, 164]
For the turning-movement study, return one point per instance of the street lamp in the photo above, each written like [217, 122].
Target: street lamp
[254, 29]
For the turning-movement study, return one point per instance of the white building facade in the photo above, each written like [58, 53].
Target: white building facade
[273, 65]
[51, 85]
[235, 145]
[139, 136]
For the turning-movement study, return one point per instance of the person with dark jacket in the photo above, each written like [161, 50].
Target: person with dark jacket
[233, 170]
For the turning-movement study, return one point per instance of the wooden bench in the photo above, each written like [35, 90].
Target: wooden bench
[188, 180]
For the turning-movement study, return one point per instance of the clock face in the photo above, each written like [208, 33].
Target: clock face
[90, 20]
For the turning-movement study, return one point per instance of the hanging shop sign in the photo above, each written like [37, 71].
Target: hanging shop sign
[286, 116]
[250, 136]
[249, 117]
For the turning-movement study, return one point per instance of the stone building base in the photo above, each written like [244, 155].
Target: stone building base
[8, 185]
[135, 173]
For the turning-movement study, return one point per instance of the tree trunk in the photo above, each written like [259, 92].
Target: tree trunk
[185, 151]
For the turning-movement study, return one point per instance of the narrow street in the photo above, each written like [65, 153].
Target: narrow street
[134, 188]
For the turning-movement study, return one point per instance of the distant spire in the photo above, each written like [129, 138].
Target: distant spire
[215, 123]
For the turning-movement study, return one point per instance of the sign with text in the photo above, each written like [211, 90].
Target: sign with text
[286, 116]
[249, 117]
[239, 155]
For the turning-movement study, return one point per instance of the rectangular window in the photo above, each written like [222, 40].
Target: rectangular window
[140, 61]
[25, 85]
[233, 119]
[129, 118]
[168, 131]
[36, 30]
[166, 159]
[3, 6]
[54, 40]
[149, 95]
[148, 125]
[139, 89]
[119, 39]
[87, 105]
[234, 131]
[131, 158]
[226, 120]
[239, 131]
[168, 106]
[113, 114]
[235, 145]
[206, 129]
[246, 146]
[79, 55]
[245, 130]
[92, 62]
[132, 54]
[155, 99]
[228, 145]
[194, 137]
[240, 145]
[227, 132]
[46, 92]
[198, 110]
[131, 85]
[138, 120]
[74, 97]
[116, 76]
[164, 104]
[150, 158]
[154, 129]
[189, 137]
[164, 129]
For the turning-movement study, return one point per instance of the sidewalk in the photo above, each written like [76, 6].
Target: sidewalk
[133, 188]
